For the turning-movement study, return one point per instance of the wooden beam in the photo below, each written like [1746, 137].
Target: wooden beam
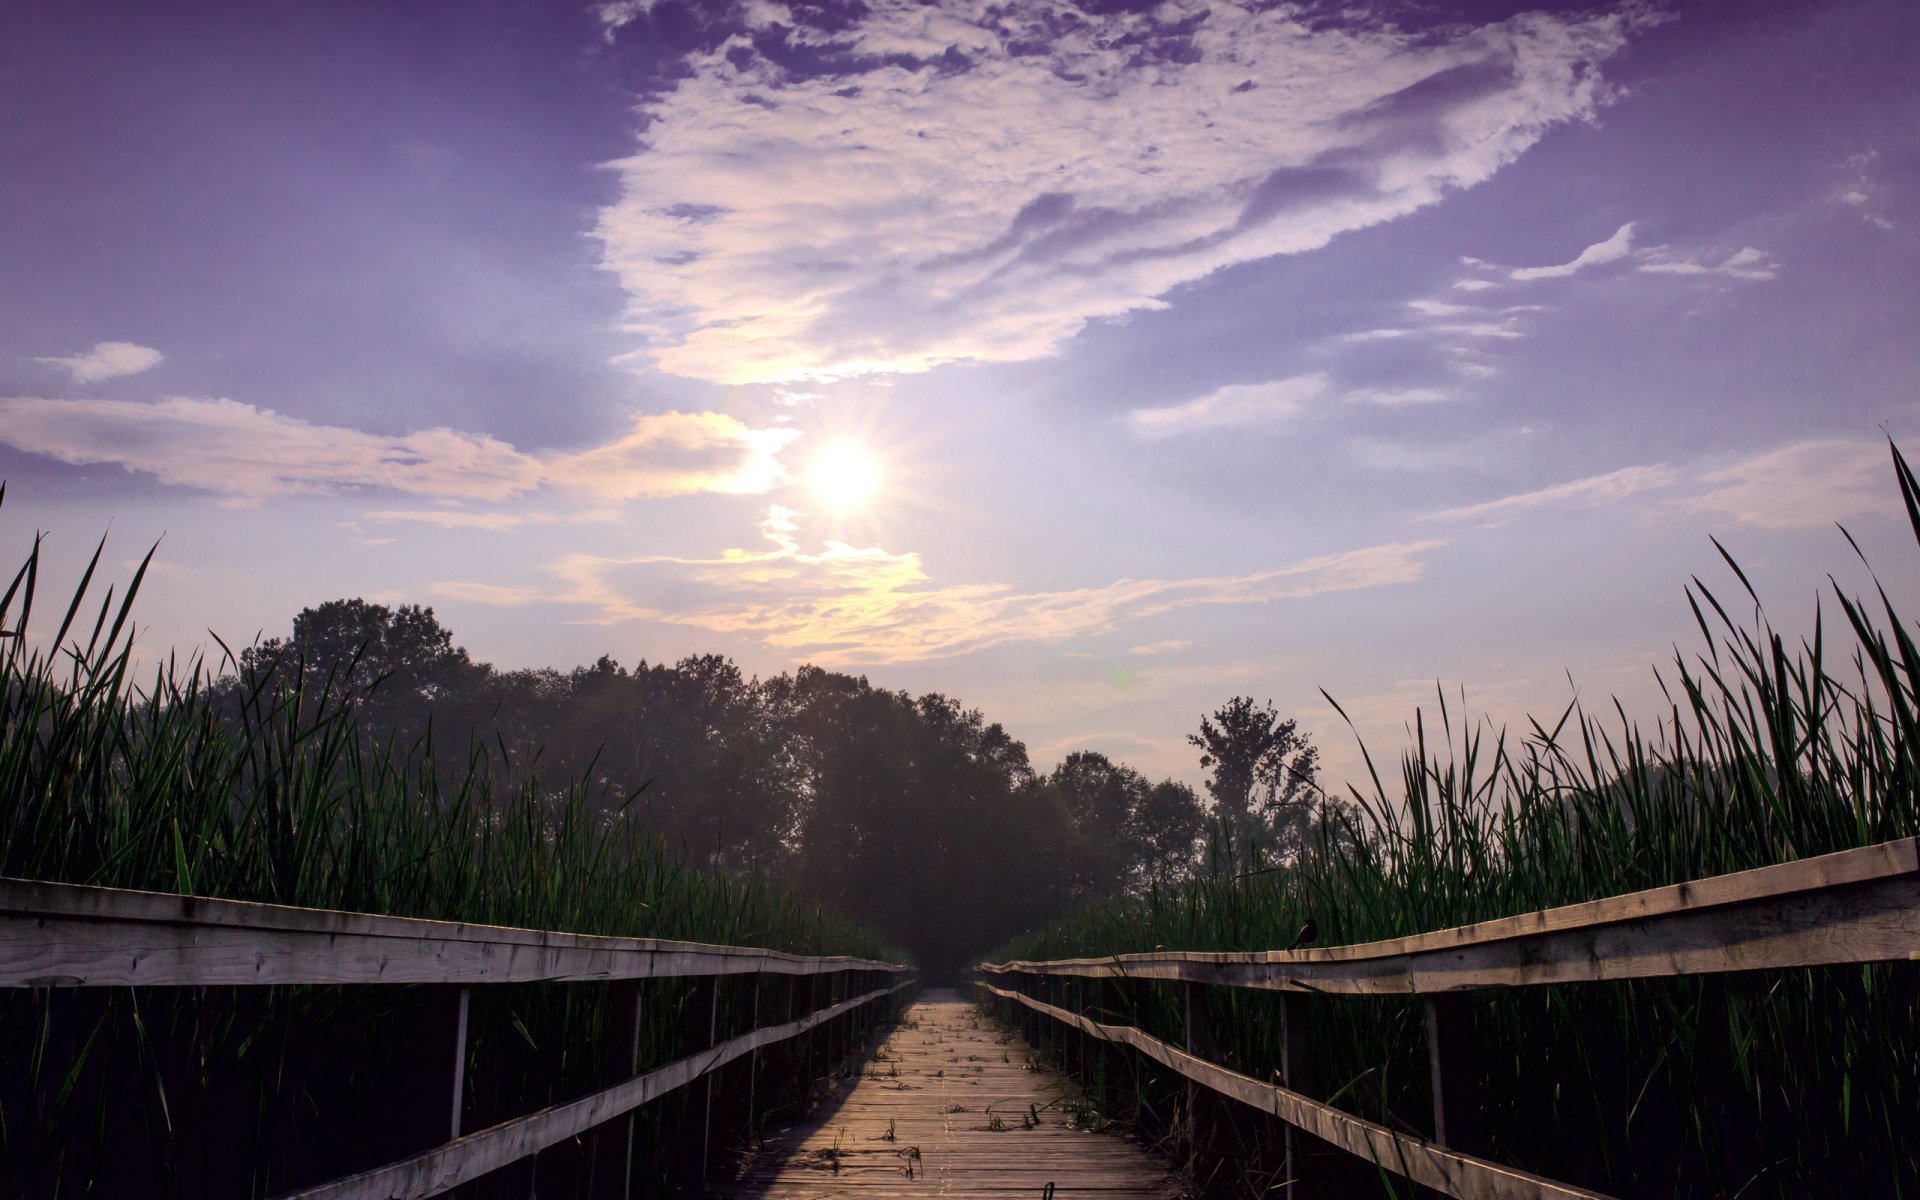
[476, 1154]
[1856, 906]
[68, 935]
[1425, 1163]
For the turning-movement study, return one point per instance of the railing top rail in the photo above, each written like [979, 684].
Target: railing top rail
[1859, 905]
[60, 934]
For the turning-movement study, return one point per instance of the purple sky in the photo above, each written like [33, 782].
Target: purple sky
[1201, 348]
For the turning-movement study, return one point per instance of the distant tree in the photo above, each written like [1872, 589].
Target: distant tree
[399, 665]
[1132, 832]
[1263, 770]
[1167, 829]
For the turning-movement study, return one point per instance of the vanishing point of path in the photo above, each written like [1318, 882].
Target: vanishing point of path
[945, 1110]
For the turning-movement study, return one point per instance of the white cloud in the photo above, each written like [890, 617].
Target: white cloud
[107, 360]
[1748, 263]
[1505, 327]
[1235, 404]
[1593, 490]
[1399, 397]
[1802, 486]
[452, 519]
[845, 604]
[246, 453]
[1615, 248]
[978, 181]
[1154, 648]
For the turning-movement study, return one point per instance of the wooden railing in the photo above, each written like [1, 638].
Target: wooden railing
[65, 936]
[1856, 906]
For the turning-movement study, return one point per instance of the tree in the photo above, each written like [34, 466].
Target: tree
[399, 666]
[1263, 769]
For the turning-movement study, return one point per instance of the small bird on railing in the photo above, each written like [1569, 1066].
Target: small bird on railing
[1308, 932]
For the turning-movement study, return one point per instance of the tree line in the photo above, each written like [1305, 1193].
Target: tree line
[913, 813]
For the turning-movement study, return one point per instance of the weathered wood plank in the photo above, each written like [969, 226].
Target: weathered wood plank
[1855, 906]
[67, 935]
[920, 1122]
[1423, 1162]
[463, 1159]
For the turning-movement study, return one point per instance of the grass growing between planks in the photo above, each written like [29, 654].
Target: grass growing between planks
[184, 779]
[1779, 1083]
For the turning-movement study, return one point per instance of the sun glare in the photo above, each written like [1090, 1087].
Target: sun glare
[844, 476]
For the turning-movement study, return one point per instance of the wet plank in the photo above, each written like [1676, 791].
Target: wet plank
[952, 1107]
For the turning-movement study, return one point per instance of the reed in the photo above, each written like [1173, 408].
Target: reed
[198, 778]
[1761, 1083]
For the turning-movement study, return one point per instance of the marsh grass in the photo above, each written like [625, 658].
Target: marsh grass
[191, 777]
[1801, 1082]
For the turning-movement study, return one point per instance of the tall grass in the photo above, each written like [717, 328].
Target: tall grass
[192, 778]
[1759, 1083]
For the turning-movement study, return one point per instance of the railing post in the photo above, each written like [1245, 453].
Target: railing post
[753, 1067]
[439, 1068]
[1296, 1075]
[1199, 1043]
[1458, 1106]
[703, 1016]
[613, 1141]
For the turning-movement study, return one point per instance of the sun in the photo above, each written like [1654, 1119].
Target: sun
[844, 476]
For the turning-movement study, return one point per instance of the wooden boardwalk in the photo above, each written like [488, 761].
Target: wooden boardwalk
[947, 1109]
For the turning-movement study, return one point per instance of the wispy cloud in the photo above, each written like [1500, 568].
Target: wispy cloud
[1615, 248]
[1151, 649]
[1802, 486]
[247, 453]
[1410, 397]
[1746, 263]
[1235, 404]
[1592, 490]
[452, 518]
[979, 182]
[851, 605]
[106, 360]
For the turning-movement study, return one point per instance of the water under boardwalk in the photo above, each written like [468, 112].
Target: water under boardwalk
[937, 1086]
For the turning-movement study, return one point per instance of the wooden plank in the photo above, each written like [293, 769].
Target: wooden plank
[1445, 1171]
[67, 935]
[919, 1123]
[1855, 906]
[467, 1158]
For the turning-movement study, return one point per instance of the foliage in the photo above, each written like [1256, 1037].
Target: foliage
[1779, 1083]
[262, 786]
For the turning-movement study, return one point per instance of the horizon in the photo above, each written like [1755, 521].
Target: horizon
[1088, 371]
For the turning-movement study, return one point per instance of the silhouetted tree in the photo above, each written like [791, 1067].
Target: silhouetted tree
[1263, 768]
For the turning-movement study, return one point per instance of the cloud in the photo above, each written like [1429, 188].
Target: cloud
[246, 453]
[107, 360]
[1399, 397]
[1593, 490]
[1153, 648]
[845, 604]
[953, 182]
[1235, 404]
[1747, 263]
[1862, 191]
[1615, 248]
[453, 519]
[1802, 486]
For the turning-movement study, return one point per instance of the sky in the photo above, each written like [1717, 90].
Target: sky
[1091, 362]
